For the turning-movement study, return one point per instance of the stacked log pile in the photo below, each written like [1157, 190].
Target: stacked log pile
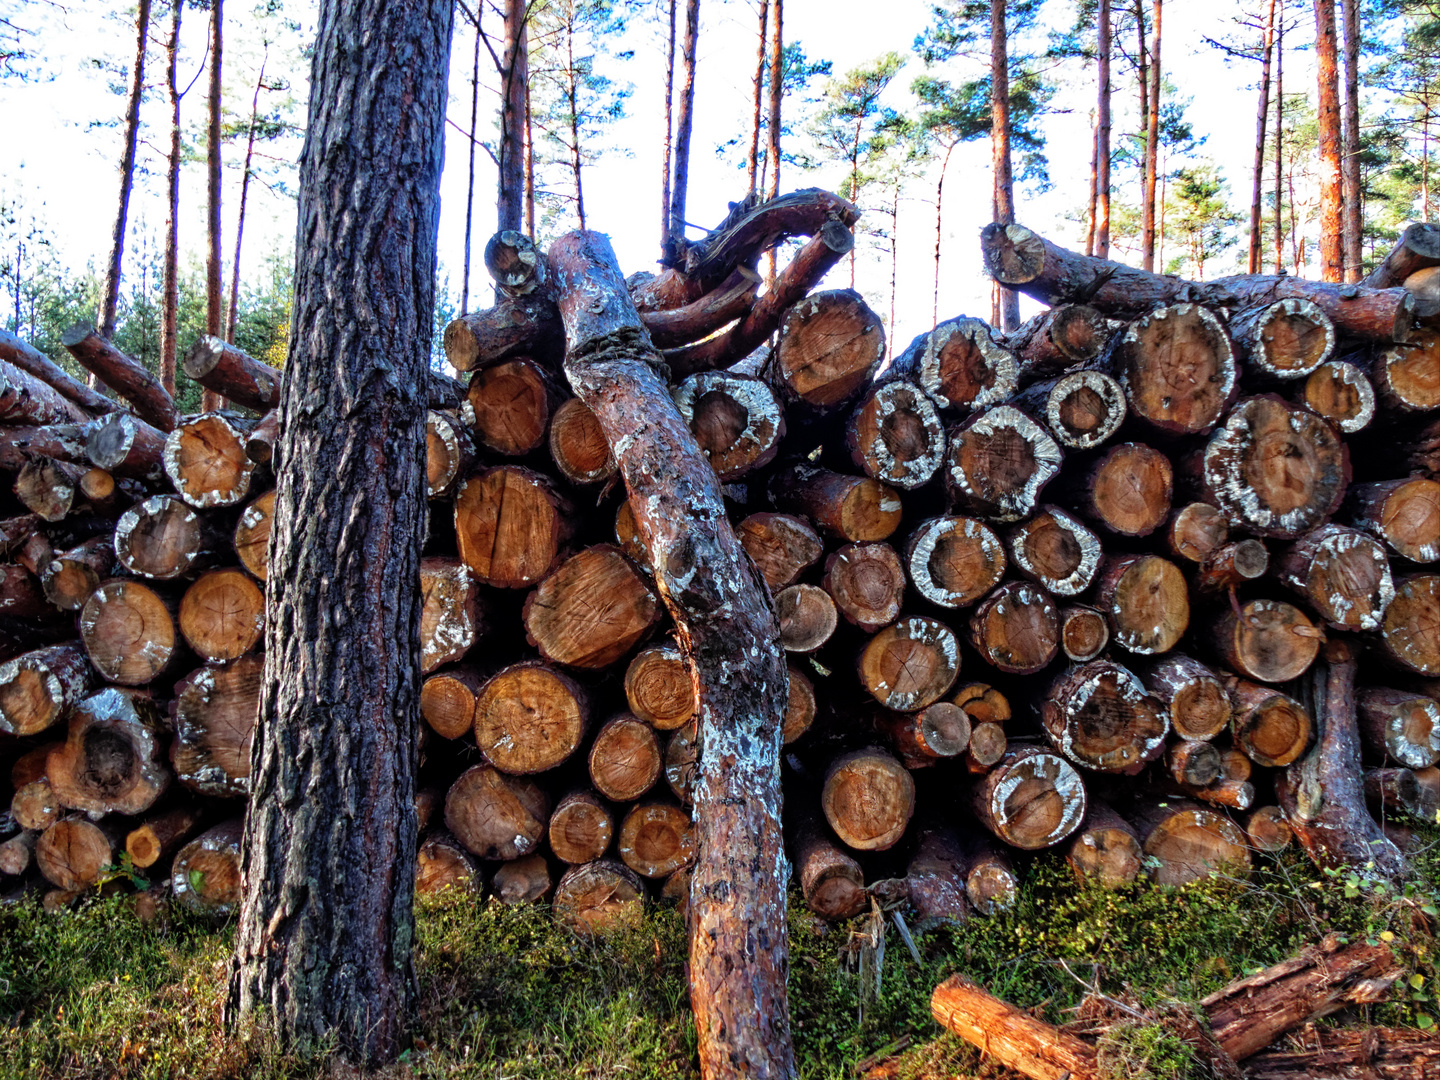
[1147, 580]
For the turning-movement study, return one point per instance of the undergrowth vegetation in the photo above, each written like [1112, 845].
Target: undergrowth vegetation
[505, 992]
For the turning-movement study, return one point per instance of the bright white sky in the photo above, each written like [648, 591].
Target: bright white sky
[63, 170]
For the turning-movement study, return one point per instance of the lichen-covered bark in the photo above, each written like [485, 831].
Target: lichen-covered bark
[323, 949]
[738, 947]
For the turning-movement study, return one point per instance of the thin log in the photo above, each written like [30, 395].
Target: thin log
[126, 376]
[223, 369]
[31, 360]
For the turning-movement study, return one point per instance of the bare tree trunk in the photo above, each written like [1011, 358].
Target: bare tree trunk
[214, 289]
[1264, 115]
[1102, 137]
[684, 122]
[1000, 145]
[244, 195]
[894, 265]
[529, 166]
[777, 94]
[1350, 150]
[1094, 189]
[515, 60]
[342, 673]
[110, 298]
[669, 134]
[573, 77]
[752, 161]
[470, 182]
[1279, 135]
[170, 304]
[939, 198]
[1332, 253]
[1152, 147]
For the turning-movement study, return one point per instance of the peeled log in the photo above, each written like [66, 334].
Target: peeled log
[1189, 841]
[659, 688]
[1056, 552]
[529, 718]
[110, 761]
[222, 615]
[450, 612]
[910, 664]
[581, 828]
[1031, 799]
[216, 709]
[205, 877]
[854, 508]
[954, 561]
[38, 688]
[1273, 729]
[591, 610]
[511, 526]
[1147, 602]
[737, 421]
[223, 369]
[496, 816]
[960, 365]
[129, 631]
[896, 436]
[782, 547]
[1274, 469]
[1342, 574]
[998, 462]
[868, 799]
[1266, 640]
[205, 460]
[599, 896]
[1099, 716]
[1016, 628]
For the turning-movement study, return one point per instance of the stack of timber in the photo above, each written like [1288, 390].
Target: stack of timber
[1148, 581]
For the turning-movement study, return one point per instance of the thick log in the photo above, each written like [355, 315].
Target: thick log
[451, 616]
[26, 399]
[1322, 793]
[732, 299]
[782, 547]
[1395, 725]
[74, 853]
[161, 836]
[522, 881]
[1195, 530]
[935, 876]
[1340, 392]
[1031, 799]
[998, 461]
[1267, 830]
[511, 526]
[1405, 514]
[1128, 490]
[625, 758]
[737, 420]
[1342, 574]
[529, 718]
[222, 614]
[1098, 715]
[591, 610]
[896, 436]
[581, 828]
[954, 561]
[1266, 640]
[129, 632]
[1189, 842]
[854, 508]
[1192, 696]
[1023, 260]
[1010, 1035]
[868, 799]
[578, 446]
[252, 535]
[960, 365]
[1271, 728]
[1016, 628]
[205, 876]
[1178, 368]
[442, 863]
[911, 663]
[1061, 337]
[236, 376]
[599, 896]
[449, 454]
[1407, 634]
[807, 618]
[1056, 552]
[660, 688]
[1084, 632]
[867, 584]
[125, 445]
[1417, 249]
[126, 376]
[215, 712]
[834, 377]
[163, 539]
[1081, 409]
[800, 707]
[32, 361]
[656, 839]
[494, 815]
[1106, 850]
[1288, 339]
[40, 687]
[517, 326]
[512, 404]
[110, 761]
[1405, 376]
[1146, 600]
[72, 575]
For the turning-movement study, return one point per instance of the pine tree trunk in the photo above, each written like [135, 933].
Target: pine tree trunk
[470, 175]
[214, 290]
[1332, 248]
[1262, 117]
[1353, 210]
[1279, 136]
[342, 676]
[170, 302]
[110, 298]
[667, 151]
[233, 312]
[1102, 136]
[510, 203]
[683, 124]
[752, 160]
[1000, 146]
[777, 95]
[1152, 146]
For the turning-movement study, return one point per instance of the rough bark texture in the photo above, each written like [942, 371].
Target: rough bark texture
[342, 639]
[1332, 248]
[738, 952]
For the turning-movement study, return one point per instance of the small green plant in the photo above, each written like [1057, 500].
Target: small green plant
[1137, 1050]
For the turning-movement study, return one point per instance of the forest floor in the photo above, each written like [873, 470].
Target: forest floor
[508, 993]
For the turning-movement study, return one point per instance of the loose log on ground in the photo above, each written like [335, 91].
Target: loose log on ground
[205, 877]
[1178, 368]
[1060, 337]
[1288, 339]
[997, 463]
[581, 828]
[954, 561]
[1273, 729]
[1031, 799]
[1339, 391]
[935, 876]
[1266, 640]
[40, 687]
[1084, 633]
[252, 535]
[599, 896]
[960, 365]
[443, 863]
[1189, 841]
[911, 663]
[1099, 716]
[1274, 469]
[896, 436]
[161, 836]
[162, 538]
[111, 760]
[129, 632]
[660, 688]
[1106, 850]
[496, 816]
[1016, 628]
[1082, 409]
[736, 420]
[1056, 552]
[591, 610]
[782, 547]
[512, 403]
[223, 369]
[222, 615]
[72, 575]
[1342, 574]
[625, 759]
[868, 799]
[450, 613]
[205, 460]
[1394, 724]
[578, 446]
[1410, 632]
[1192, 695]
[854, 508]
[1146, 600]
[529, 718]
[126, 446]
[511, 526]
[1407, 377]
[656, 839]
[447, 701]
[1403, 513]
[74, 852]
[1128, 490]
[1010, 1035]
[32, 361]
[867, 584]
[449, 454]
[216, 709]
[125, 376]
[1369, 1053]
